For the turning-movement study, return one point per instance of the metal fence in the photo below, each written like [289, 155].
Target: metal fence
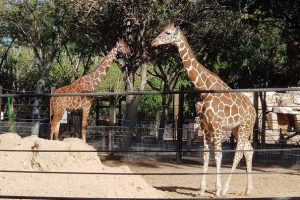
[141, 142]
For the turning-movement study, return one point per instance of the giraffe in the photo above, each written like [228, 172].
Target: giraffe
[87, 83]
[218, 112]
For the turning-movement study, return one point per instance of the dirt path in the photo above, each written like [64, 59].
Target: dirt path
[265, 185]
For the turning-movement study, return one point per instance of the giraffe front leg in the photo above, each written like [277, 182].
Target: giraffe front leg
[205, 165]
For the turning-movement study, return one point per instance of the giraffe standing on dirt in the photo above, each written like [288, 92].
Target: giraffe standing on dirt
[218, 112]
[87, 83]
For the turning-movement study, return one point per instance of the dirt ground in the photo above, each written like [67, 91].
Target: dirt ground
[63, 184]
[286, 184]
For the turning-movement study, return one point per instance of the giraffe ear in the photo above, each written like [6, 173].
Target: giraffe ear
[118, 43]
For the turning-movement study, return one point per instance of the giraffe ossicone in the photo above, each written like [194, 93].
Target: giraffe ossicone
[218, 112]
[87, 83]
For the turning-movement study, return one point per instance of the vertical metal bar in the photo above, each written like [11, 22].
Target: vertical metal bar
[97, 111]
[180, 125]
[112, 117]
[175, 106]
[255, 131]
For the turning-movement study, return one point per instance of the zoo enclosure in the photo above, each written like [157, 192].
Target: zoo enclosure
[277, 122]
[142, 141]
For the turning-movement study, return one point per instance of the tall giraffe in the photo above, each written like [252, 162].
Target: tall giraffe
[87, 83]
[218, 112]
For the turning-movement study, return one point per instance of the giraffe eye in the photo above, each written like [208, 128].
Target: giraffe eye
[168, 33]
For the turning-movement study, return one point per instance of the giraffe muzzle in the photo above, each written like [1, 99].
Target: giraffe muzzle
[154, 44]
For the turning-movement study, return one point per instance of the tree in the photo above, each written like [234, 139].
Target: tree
[36, 24]
[137, 22]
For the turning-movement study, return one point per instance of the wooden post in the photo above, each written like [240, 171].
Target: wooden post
[179, 126]
[50, 111]
[112, 120]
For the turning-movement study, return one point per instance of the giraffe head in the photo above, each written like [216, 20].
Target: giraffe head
[123, 48]
[169, 35]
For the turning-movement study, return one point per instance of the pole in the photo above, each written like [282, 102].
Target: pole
[179, 126]
[97, 112]
[255, 131]
[175, 120]
[112, 120]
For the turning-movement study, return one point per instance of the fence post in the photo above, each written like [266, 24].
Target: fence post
[112, 120]
[262, 96]
[255, 131]
[175, 119]
[281, 141]
[179, 126]
[189, 139]
[97, 112]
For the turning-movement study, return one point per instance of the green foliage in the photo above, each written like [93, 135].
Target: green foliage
[12, 127]
[150, 105]
[247, 43]
[114, 78]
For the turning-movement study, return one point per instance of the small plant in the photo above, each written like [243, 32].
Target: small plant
[12, 127]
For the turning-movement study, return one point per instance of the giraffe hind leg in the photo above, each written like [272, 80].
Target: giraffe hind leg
[55, 124]
[218, 158]
[205, 164]
[85, 116]
[248, 153]
[237, 158]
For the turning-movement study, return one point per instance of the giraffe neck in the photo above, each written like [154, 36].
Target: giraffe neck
[90, 81]
[201, 77]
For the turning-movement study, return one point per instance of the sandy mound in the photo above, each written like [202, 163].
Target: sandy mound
[64, 185]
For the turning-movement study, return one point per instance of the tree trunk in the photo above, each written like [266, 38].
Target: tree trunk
[132, 102]
[37, 104]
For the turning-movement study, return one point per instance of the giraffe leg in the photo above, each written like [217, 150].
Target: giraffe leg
[205, 164]
[55, 123]
[85, 116]
[248, 156]
[237, 158]
[218, 158]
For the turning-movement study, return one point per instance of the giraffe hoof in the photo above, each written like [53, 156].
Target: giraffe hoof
[224, 192]
[247, 193]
